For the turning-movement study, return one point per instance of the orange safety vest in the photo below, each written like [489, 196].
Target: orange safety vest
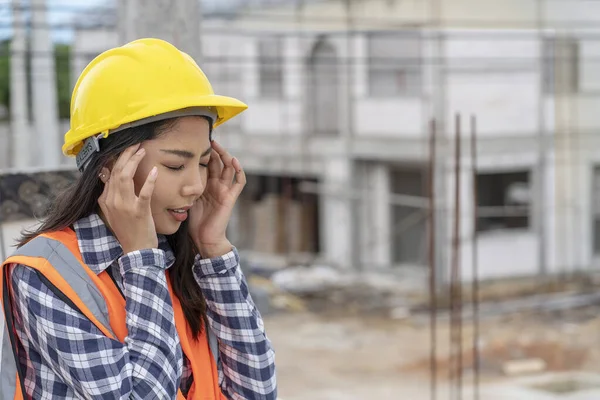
[47, 254]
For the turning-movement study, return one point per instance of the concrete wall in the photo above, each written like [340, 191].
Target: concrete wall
[501, 253]
[32, 145]
[494, 77]
[505, 97]
[568, 219]
[381, 14]
[377, 13]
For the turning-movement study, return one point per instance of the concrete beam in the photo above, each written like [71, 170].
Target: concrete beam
[177, 22]
[19, 127]
[44, 91]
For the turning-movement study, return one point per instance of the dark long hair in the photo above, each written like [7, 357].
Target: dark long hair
[81, 199]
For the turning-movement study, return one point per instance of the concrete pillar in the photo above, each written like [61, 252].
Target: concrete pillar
[294, 233]
[235, 224]
[380, 195]
[19, 125]
[44, 90]
[336, 212]
[376, 216]
[177, 22]
[266, 221]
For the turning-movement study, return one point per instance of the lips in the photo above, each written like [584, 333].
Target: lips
[180, 214]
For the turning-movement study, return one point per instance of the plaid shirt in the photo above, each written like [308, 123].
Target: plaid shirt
[66, 356]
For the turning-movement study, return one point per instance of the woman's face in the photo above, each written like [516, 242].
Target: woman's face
[181, 155]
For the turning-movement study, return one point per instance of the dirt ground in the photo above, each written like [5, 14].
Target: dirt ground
[348, 358]
[357, 357]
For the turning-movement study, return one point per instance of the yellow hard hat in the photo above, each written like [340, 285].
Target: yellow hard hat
[139, 81]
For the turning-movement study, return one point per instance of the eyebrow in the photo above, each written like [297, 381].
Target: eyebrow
[185, 153]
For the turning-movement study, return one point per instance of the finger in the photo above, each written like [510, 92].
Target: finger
[240, 178]
[221, 150]
[226, 158]
[224, 154]
[214, 165]
[132, 164]
[217, 147]
[117, 192]
[124, 158]
[146, 193]
[228, 172]
[125, 178]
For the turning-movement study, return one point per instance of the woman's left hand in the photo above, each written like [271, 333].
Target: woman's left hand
[211, 213]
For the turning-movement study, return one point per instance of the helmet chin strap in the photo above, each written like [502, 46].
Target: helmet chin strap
[92, 144]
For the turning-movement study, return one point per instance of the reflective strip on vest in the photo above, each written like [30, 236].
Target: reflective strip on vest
[8, 368]
[69, 268]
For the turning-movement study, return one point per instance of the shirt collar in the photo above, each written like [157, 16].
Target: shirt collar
[99, 247]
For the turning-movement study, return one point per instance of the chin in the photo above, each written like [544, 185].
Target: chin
[169, 228]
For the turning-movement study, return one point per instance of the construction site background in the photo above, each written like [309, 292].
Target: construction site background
[421, 219]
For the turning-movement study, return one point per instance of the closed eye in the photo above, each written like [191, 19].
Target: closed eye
[179, 168]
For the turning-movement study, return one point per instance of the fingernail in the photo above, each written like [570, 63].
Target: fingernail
[140, 152]
[154, 172]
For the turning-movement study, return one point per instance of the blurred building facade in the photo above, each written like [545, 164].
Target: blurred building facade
[336, 138]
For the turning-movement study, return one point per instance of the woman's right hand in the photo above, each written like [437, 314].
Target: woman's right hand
[129, 216]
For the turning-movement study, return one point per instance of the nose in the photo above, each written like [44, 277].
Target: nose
[194, 184]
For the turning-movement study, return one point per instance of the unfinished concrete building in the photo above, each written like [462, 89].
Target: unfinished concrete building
[341, 95]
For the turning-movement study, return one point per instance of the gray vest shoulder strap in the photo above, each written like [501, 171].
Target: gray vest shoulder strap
[71, 270]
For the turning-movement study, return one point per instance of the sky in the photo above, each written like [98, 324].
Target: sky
[61, 12]
[64, 11]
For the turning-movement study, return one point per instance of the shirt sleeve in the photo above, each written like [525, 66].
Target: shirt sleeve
[147, 365]
[247, 359]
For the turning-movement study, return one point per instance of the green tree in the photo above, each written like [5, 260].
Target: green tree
[62, 57]
[62, 54]
[5, 73]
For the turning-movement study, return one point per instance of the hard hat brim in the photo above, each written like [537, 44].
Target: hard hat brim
[227, 108]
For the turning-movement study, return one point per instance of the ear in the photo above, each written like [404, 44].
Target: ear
[104, 174]
[106, 170]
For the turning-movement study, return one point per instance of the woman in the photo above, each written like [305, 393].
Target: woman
[130, 288]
